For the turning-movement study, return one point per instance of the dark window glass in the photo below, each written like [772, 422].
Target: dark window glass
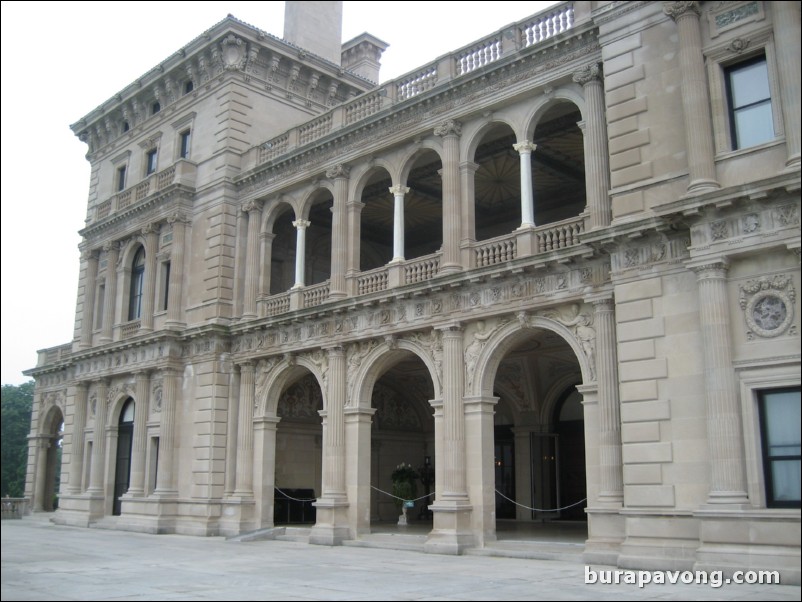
[185, 144]
[780, 438]
[137, 285]
[155, 108]
[121, 178]
[150, 162]
[750, 103]
[188, 87]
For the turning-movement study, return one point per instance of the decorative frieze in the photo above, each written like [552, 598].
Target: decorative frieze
[650, 252]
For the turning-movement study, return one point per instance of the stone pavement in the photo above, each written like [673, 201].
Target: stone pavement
[42, 561]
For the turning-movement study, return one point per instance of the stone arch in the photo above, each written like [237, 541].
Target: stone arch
[504, 340]
[554, 396]
[407, 160]
[309, 197]
[571, 93]
[474, 139]
[52, 415]
[274, 378]
[273, 210]
[376, 361]
[128, 251]
[117, 403]
[362, 173]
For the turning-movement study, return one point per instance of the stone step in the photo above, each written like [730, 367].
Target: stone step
[300, 534]
[389, 541]
[532, 550]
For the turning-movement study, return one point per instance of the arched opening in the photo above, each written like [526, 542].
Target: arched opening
[122, 463]
[539, 438]
[299, 440]
[376, 241]
[497, 183]
[558, 165]
[282, 267]
[53, 430]
[402, 434]
[423, 206]
[318, 239]
[136, 285]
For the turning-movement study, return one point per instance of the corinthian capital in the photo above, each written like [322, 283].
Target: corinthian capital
[677, 9]
[338, 171]
[588, 74]
[448, 128]
[525, 146]
[396, 190]
[251, 206]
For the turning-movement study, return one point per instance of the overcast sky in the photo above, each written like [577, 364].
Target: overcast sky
[60, 60]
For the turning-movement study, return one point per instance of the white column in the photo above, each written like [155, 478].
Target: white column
[398, 193]
[787, 36]
[695, 96]
[300, 251]
[525, 150]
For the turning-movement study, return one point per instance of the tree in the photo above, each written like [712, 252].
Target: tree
[16, 404]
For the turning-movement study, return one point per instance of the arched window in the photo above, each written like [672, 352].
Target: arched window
[137, 284]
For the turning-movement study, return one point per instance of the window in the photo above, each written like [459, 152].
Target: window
[126, 126]
[780, 439]
[137, 285]
[184, 144]
[121, 178]
[749, 98]
[150, 161]
[155, 108]
[165, 284]
[188, 87]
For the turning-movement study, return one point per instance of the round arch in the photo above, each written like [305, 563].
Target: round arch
[362, 175]
[554, 396]
[130, 249]
[407, 160]
[504, 340]
[572, 94]
[274, 211]
[311, 197]
[474, 139]
[273, 380]
[379, 360]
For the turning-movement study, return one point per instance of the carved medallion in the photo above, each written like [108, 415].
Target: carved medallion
[768, 305]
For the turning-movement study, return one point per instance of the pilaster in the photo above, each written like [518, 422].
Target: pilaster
[339, 231]
[450, 131]
[254, 211]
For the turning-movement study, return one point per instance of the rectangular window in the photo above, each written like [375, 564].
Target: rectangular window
[121, 178]
[184, 144]
[155, 108]
[150, 162]
[99, 302]
[749, 98]
[188, 86]
[780, 439]
[165, 284]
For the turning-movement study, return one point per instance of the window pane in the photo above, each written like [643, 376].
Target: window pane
[783, 428]
[753, 125]
[750, 84]
[785, 479]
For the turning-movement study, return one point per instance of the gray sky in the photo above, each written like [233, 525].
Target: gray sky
[61, 60]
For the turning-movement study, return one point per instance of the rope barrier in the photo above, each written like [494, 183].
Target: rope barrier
[294, 499]
[541, 509]
[401, 498]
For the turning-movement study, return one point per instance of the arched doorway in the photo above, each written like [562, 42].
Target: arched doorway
[299, 436]
[122, 463]
[50, 461]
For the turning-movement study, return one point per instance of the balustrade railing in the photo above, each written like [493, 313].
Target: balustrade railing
[277, 304]
[416, 83]
[13, 507]
[559, 235]
[315, 129]
[129, 329]
[316, 294]
[422, 269]
[480, 55]
[373, 281]
[497, 250]
[364, 106]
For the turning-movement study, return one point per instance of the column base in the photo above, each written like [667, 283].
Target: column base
[452, 532]
[331, 527]
[606, 531]
[700, 186]
[238, 515]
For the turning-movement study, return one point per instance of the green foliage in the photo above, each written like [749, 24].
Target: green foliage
[16, 403]
[404, 486]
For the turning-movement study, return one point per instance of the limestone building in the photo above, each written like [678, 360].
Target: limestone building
[559, 263]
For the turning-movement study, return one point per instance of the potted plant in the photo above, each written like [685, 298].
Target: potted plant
[404, 488]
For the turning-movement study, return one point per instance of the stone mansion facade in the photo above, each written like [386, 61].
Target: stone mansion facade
[558, 267]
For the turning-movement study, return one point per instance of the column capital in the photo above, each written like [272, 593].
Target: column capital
[588, 74]
[335, 350]
[448, 128]
[524, 146]
[399, 190]
[338, 171]
[177, 217]
[89, 254]
[152, 228]
[252, 206]
[711, 269]
[111, 246]
[301, 224]
[452, 329]
[675, 10]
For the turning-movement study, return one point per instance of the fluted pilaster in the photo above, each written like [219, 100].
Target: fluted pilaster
[90, 261]
[254, 210]
[110, 297]
[175, 296]
[139, 442]
[151, 234]
[231, 431]
[77, 444]
[787, 33]
[450, 131]
[165, 475]
[245, 431]
[454, 484]
[99, 439]
[339, 231]
[727, 474]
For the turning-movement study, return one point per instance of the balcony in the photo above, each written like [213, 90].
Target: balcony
[182, 172]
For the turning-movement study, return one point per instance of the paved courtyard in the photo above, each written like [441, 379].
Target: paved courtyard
[42, 561]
